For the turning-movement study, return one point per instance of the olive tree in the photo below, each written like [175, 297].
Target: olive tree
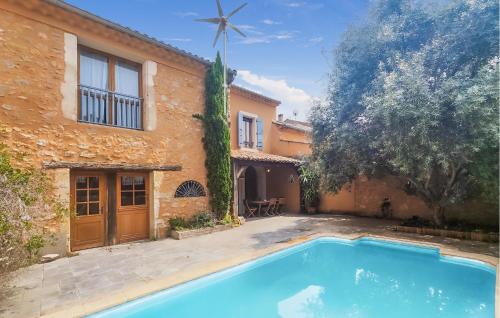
[414, 94]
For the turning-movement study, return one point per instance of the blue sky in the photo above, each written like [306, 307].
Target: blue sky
[286, 55]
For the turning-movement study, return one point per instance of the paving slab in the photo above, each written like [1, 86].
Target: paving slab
[101, 277]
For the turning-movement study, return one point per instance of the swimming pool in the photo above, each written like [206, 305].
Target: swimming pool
[330, 277]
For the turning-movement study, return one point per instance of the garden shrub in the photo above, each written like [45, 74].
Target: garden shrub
[198, 221]
[178, 223]
[202, 219]
[227, 219]
[25, 203]
[310, 183]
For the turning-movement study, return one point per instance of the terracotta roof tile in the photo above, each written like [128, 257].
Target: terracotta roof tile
[261, 156]
[254, 95]
[135, 33]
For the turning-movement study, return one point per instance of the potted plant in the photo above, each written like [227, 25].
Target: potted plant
[309, 183]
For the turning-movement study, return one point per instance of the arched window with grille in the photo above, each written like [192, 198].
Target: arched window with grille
[190, 189]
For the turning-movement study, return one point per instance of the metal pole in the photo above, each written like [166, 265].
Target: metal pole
[225, 73]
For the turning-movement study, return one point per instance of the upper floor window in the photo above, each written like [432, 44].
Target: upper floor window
[250, 131]
[248, 124]
[109, 90]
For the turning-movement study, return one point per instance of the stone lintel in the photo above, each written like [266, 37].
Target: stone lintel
[109, 166]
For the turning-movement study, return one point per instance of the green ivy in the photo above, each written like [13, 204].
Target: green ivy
[216, 141]
[35, 243]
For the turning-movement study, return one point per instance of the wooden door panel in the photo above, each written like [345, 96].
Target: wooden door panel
[90, 232]
[88, 199]
[132, 225]
[132, 214]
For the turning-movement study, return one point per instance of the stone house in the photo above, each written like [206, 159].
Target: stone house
[107, 112]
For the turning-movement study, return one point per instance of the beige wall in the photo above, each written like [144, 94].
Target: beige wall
[364, 197]
[343, 201]
[290, 142]
[34, 120]
[266, 111]
[279, 186]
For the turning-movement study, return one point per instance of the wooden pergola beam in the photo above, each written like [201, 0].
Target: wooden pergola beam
[108, 166]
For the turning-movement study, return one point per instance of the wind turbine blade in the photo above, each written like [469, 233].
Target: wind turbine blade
[210, 20]
[236, 10]
[236, 29]
[219, 8]
[219, 31]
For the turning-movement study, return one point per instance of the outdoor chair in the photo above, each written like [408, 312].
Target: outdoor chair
[271, 207]
[279, 206]
[249, 212]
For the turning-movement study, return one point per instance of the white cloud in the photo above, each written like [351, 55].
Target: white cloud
[186, 14]
[292, 98]
[178, 40]
[316, 40]
[304, 5]
[270, 22]
[295, 4]
[245, 27]
[249, 29]
[283, 35]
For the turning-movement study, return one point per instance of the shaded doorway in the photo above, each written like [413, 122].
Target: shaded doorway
[251, 184]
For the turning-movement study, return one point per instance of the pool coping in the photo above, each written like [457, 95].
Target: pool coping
[133, 292]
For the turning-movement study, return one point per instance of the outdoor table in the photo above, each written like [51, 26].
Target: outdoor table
[259, 204]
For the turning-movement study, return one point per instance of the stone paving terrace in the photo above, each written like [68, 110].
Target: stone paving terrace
[99, 277]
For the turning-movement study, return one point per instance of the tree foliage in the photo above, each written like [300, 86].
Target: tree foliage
[309, 183]
[25, 203]
[414, 93]
[216, 141]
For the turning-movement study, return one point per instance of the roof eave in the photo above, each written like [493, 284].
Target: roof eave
[144, 37]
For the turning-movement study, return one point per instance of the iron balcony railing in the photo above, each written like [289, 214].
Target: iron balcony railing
[99, 106]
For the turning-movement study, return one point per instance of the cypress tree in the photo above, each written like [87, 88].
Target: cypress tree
[216, 141]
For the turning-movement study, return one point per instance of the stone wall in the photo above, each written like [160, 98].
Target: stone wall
[34, 108]
[290, 142]
[364, 197]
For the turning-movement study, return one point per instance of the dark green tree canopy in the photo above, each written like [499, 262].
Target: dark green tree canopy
[414, 93]
[216, 141]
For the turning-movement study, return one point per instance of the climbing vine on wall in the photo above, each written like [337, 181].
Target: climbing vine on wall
[26, 203]
[216, 142]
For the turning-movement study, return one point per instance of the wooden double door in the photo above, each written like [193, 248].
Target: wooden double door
[109, 208]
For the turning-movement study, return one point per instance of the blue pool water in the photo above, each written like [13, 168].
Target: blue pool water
[331, 277]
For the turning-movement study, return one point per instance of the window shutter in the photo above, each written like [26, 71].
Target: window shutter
[260, 133]
[240, 129]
